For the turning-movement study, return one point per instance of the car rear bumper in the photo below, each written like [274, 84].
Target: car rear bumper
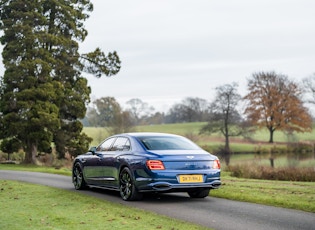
[168, 187]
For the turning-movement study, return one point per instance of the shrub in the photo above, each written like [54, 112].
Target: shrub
[253, 171]
[300, 148]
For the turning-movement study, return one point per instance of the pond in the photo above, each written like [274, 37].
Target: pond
[305, 160]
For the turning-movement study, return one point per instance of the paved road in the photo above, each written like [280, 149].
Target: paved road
[211, 212]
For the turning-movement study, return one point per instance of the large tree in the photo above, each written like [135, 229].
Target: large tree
[108, 113]
[275, 102]
[224, 116]
[43, 93]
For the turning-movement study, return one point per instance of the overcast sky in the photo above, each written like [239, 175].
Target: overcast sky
[173, 49]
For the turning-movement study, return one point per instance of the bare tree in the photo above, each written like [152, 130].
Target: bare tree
[224, 117]
[309, 85]
[139, 109]
[189, 110]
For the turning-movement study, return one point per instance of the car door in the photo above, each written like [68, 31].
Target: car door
[93, 165]
[110, 161]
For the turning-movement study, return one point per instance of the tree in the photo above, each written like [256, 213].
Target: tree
[43, 92]
[224, 117]
[139, 109]
[189, 110]
[156, 118]
[122, 123]
[194, 108]
[108, 113]
[309, 85]
[107, 110]
[274, 102]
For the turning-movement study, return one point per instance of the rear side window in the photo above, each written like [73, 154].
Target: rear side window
[121, 144]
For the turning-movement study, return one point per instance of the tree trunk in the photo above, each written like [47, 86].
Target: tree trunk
[227, 151]
[30, 154]
[227, 157]
[271, 135]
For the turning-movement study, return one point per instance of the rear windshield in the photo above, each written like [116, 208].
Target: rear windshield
[167, 143]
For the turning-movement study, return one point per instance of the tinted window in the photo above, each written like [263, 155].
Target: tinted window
[121, 144]
[105, 146]
[167, 143]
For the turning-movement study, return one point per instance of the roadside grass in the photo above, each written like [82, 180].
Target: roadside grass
[28, 206]
[35, 168]
[286, 194]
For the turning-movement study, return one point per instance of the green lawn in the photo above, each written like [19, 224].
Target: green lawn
[28, 206]
[286, 194]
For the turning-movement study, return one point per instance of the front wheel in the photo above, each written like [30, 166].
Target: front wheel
[127, 188]
[77, 177]
[199, 193]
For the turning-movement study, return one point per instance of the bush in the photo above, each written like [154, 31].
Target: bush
[254, 171]
[300, 148]
[17, 157]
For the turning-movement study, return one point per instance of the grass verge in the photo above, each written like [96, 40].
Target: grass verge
[28, 206]
[285, 194]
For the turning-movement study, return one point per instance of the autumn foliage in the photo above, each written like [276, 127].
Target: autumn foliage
[274, 102]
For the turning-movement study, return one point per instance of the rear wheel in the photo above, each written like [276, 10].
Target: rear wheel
[127, 186]
[199, 193]
[77, 177]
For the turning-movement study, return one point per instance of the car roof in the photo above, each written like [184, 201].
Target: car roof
[148, 134]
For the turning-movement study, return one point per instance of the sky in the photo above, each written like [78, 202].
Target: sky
[174, 49]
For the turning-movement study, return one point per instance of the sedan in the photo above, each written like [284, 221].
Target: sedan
[138, 163]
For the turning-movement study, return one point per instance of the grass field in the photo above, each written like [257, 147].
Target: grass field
[260, 137]
[28, 206]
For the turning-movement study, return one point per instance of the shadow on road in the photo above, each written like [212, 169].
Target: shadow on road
[149, 197]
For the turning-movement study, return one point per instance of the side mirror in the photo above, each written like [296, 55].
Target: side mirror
[92, 150]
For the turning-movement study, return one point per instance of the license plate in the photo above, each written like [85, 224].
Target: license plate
[190, 179]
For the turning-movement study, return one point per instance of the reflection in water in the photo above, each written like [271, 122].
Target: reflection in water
[302, 159]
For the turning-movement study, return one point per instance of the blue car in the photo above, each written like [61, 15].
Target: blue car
[138, 163]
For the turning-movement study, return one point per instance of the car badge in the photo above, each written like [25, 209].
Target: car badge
[190, 157]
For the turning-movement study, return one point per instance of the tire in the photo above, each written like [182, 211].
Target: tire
[199, 193]
[77, 177]
[127, 188]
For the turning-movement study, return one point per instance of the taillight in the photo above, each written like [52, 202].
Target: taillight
[216, 164]
[155, 165]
